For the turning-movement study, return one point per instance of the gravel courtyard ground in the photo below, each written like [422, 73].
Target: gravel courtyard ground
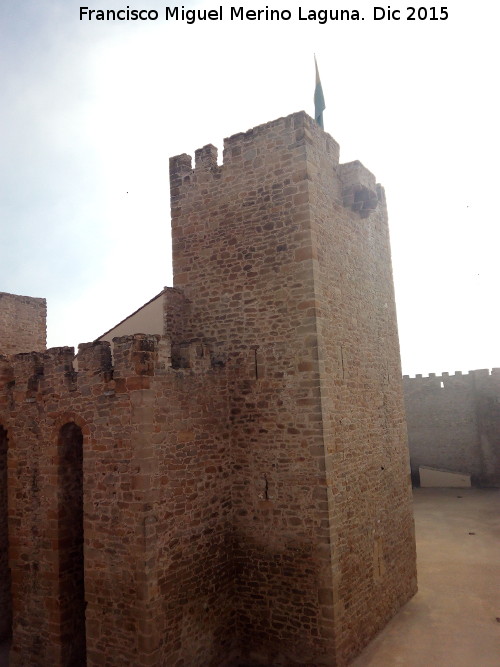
[454, 620]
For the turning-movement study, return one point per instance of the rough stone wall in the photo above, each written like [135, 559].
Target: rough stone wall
[157, 550]
[365, 440]
[190, 529]
[454, 423]
[176, 311]
[236, 491]
[248, 222]
[320, 454]
[5, 592]
[22, 324]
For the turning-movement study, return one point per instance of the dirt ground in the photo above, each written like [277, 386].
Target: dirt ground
[454, 620]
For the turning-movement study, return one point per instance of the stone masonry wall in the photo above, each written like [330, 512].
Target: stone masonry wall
[365, 441]
[322, 558]
[454, 423]
[247, 222]
[157, 546]
[22, 324]
[235, 491]
[5, 587]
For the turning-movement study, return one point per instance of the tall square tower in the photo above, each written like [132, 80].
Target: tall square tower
[283, 257]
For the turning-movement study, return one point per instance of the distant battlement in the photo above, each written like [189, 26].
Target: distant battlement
[446, 378]
[454, 423]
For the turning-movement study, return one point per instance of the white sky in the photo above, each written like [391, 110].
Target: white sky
[91, 111]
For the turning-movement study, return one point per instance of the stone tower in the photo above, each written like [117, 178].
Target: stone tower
[235, 491]
[283, 256]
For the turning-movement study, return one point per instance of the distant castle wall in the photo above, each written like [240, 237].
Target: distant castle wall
[454, 423]
[22, 323]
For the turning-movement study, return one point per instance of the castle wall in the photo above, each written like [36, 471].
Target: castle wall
[365, 441]
[190, 529]
[5, 585]
[235, 491]
[157, 551]
[248, 223]
[22, 323]
[454, 423]
[319, 453]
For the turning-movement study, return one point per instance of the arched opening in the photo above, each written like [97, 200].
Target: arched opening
[5, 579]
[71, 564]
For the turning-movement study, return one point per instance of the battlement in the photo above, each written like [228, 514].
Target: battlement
[360, 192]
[35, 375]
[245, 149]
[446, 378]
[454, 423]
[291, 134]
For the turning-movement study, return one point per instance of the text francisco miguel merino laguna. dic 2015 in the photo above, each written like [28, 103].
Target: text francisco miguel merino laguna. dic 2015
[321, 16]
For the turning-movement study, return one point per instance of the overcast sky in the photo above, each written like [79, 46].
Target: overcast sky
[91, 111]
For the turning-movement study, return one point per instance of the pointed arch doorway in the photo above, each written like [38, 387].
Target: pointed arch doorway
[71, 538]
